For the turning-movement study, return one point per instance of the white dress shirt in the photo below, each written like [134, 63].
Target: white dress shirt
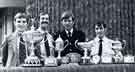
[106, 46]
[50, 42]
[71, 31]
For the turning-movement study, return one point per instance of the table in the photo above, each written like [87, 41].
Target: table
[75, 68]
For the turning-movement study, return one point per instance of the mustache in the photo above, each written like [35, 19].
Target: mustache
[44, 22]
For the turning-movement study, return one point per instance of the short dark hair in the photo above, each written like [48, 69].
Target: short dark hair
[20, 15]
[99, 24]
[43, 13]
[66, 15]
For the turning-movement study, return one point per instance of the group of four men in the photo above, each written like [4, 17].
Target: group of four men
[14, 51]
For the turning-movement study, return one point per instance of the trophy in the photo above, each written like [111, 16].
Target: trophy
[128, 54]
[86, 46]
[117, 46]
[30, 37]
[59, 43]
[129, 58]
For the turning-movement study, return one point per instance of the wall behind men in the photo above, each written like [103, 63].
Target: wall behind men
[119, 15]
[12, 3]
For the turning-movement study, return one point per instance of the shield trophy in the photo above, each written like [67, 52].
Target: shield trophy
[30, 37]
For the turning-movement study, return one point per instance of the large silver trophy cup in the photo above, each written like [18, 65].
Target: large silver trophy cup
[30, 37]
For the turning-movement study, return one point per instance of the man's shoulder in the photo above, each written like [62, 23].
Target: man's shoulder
[49, 35]
[80, 31]
[10, 36]
[109, 39]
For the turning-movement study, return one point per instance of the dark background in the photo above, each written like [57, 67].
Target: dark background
[119, 15]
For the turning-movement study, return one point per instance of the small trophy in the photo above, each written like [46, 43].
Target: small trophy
[86, 46]
[129, 58]
[30, 37]
[117, 46]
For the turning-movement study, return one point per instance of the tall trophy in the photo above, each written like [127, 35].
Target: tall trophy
[59, 43]
[30, 37]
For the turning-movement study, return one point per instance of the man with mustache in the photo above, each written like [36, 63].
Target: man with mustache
[70, 34]
[46, 47]
[14, 51]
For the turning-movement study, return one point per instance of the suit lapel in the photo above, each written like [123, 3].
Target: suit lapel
[73, 37]
[64, 35]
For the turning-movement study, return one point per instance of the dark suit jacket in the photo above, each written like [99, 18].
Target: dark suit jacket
[76, 35]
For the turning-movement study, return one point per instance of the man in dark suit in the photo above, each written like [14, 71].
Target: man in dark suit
[70, 34]
[13, 46]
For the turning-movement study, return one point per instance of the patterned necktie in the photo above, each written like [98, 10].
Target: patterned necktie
[100, 47]
[47, 46]
[22, 51]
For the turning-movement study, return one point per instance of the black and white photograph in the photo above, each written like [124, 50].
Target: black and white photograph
[67, 35]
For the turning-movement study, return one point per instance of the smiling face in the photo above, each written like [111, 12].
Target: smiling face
[100, 30]
[44, 21]
[20, 24]
[68, 23]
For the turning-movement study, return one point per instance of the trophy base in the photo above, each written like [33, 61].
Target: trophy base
[106, 60]
[50, 62]
[85, 61]
[32, 61]
[31, 65]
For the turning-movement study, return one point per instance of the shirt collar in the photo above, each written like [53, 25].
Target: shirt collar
[18, 33]
[39, 29]
[70, 31]
[103, 39]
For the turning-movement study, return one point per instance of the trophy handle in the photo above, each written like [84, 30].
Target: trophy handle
[26, 47]
[22, 42]
[66, 44]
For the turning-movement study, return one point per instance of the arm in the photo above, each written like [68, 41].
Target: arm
[10, 56]
[4, 47]
[81, 39]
